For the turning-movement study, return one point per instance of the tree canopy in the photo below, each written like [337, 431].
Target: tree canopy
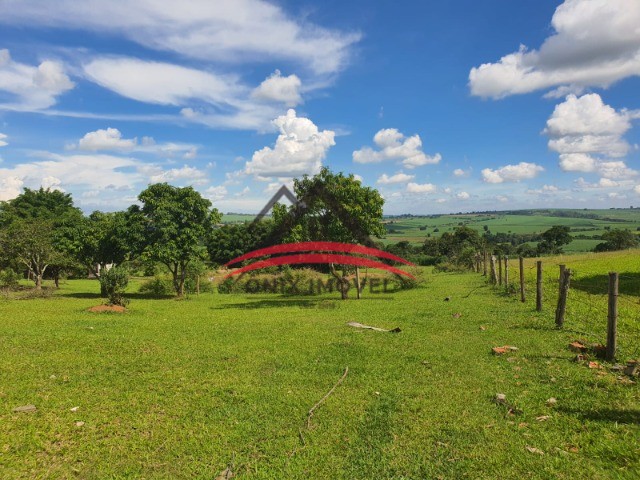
[175, 223]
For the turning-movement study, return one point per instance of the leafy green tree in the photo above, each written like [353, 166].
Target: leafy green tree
[102, 239]
[554, 239]
[617, 239]
[332, 207]
[30, 244]
[176, 223]
[231, 241]
[32, 227]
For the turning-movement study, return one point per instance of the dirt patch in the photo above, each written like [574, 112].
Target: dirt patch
[107, 308]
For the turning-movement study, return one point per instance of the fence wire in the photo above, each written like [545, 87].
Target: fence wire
[587, 304]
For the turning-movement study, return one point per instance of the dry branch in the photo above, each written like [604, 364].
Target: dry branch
[321, 401]
[377, 329]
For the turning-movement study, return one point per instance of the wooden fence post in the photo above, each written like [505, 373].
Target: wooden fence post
[499, 269]
[539, 285]
[358, 283]
[612, 323]
[522, 297]
[506, 273]
[484, 270]
[561, 309]
[562, 269]
[493, 278]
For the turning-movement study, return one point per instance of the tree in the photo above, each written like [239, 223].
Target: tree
[617, 239]
[332, 207]
[176, 223]
[33, 226]
[553, 239]
[231, 241]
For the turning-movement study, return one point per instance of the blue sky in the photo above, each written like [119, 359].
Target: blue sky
[443, 106]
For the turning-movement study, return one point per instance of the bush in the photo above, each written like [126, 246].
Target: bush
[114, 282]
[9, 279]
[157, 287]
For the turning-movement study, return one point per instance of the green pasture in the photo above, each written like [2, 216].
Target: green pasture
[183, 389]
[408, 229]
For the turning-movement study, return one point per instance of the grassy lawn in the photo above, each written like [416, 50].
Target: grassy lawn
[181, 389]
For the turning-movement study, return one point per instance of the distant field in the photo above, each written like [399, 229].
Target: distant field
[409, 229]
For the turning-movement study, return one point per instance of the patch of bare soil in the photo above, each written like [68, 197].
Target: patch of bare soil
[107, 308]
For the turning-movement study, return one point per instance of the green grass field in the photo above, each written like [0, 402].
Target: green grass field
[181, 389]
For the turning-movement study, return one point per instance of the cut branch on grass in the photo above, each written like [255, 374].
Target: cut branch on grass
[377, 329]
[321, 401]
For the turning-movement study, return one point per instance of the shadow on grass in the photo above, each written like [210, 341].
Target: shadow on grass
[132, 296]
[251, 304]
[629, 284]
[605, 415]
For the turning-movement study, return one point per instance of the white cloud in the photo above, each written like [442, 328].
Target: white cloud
[109, 139]
[162, 83]
[421, 188]
[33, 88]
[3, 138]
[358, 177]
[511, 173]
[394, 145]
[587, 133]
[225, 30]
[545, 190]
[299, 149]
[577, 162]
[77, 172]
[397, 178]
[582, 184]
[459, 172]
[502, 198]
[595, 43]
[587, 125]
[277, 88]
[10, 187]
[192, 175]
[52, 183]
[215, 194]
[636, 189]
[463, 196]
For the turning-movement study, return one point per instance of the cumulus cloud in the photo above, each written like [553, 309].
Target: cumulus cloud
[459, 172]
[421, 188]
[299, 149]
[32, 88]
[636, 189]
[393, 145]
[587, 133]
[78, 172]
[587, 125]
[225, 30]
[3, 140]
[10, 187]
[545, 190]
[109, 139]
[595, 43]
[277, 88]
[581, 184]
[190, 175]
[215, 194]
[463, 196]
[397, 178]
[511, 173]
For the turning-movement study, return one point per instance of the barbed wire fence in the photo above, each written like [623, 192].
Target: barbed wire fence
[587, 303]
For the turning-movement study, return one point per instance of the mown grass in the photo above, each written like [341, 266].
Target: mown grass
[180, 389]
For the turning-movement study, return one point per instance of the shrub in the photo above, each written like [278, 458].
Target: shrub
[157, 287]
[9, 279]
[114, 282]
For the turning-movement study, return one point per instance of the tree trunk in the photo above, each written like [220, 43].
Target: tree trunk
[38, 281]
[56, 280]
[343, 283]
